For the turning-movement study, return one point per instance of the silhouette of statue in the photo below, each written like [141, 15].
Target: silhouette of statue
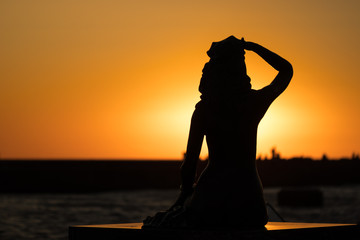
[229, 192]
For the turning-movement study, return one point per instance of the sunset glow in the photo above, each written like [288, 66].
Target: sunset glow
[119, 79]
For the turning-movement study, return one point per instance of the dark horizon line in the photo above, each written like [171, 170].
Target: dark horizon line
[274, 154]
[89, 159]
[260, 158]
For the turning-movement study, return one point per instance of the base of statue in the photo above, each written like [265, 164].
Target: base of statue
[274, 230]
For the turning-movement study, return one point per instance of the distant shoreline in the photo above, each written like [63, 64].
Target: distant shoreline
[81, 175]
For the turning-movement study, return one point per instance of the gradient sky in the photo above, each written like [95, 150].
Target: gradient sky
[119, 79]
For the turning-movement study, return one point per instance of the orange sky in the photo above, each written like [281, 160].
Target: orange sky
[119, 79]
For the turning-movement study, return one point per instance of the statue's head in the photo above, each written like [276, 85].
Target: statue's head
[230, 47]
[226, 70]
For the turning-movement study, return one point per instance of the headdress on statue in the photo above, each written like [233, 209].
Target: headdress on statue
[228, 47]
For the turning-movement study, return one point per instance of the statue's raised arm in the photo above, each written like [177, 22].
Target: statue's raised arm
[282, 80]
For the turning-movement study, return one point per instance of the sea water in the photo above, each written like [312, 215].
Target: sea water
[48, 216]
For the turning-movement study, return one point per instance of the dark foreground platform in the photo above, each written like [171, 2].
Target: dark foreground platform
[274, 230]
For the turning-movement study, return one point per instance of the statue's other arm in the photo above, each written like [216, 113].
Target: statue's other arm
[189, 165]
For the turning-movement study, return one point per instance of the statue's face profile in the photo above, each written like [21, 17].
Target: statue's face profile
[233, 67]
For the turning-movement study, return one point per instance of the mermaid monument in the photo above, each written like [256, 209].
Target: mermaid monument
[228, 193]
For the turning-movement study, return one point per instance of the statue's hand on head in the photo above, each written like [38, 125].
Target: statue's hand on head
[247, 45]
